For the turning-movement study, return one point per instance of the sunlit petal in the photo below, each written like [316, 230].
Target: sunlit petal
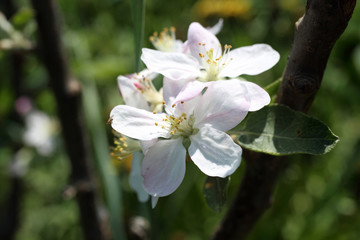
[223, 105]
[137, 123]
[198, 34]
[214, 152]
[257, 95]
[172, 65]
[250, 60]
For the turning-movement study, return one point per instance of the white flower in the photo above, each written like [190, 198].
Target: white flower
[138, 90]
[40, 131]
[202, 120]
[166, 41]
[208, 62]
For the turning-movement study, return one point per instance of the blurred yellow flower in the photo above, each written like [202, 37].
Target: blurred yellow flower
[223, 8]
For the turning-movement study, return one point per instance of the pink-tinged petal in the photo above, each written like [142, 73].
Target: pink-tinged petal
[257, 95]
[250, 60]
[172, 65]
[198, 34]
[135, 178]
[131, 95]
[223, 105]
[214, 152]
[137, 123]
[163, 167]
[171, 88]
[189, 91]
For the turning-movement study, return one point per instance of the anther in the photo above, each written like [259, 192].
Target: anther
[154, 112]
[182, 102]
[156, 124]
[173, 105]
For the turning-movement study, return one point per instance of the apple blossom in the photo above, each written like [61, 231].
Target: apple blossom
[208, 62]
[166, 41]
[138, 90]
[202, 120]
[40, 131]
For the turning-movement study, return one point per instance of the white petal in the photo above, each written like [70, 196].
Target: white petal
[198, 34]
[145, 145]
[214, 152]
[135, 178]
[257, 95]
[224, 105]
[131, 95]
[172, 65]
[250, 60]
[190, 90]
[217, 27]
[163, 167]
[171, 88]
[137, 123]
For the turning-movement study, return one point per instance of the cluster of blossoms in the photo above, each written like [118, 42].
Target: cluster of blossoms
[202, 97]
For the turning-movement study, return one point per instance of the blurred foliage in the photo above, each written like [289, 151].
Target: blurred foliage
[316, 197]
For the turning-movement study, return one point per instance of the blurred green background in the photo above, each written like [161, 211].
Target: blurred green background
[317, 197]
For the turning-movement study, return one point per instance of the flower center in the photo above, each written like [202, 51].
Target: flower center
[213, 62]
[166, 41]
[178, 125]
[124, 147]
[147, 89]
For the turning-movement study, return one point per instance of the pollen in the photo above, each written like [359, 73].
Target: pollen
[165, 41]
[123, 147]
[214, 60]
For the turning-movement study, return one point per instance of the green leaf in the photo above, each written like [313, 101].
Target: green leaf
[112, 190]
[138, 16]
[279, 130]
[215, 192]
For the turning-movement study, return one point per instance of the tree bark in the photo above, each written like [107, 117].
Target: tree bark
[68, 97]
[315, 35]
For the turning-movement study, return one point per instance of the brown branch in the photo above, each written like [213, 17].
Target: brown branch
[67, 93]
[315, 35]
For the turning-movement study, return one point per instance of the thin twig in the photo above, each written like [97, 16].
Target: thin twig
[315, 35]
[67, 93]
